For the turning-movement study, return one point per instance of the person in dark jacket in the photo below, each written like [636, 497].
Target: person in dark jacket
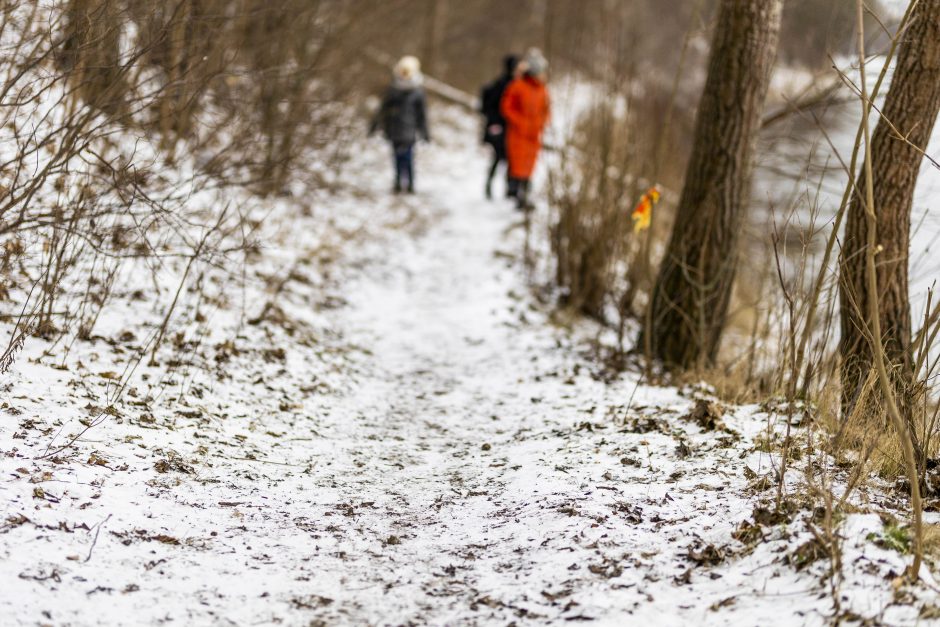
[403, 119]
[494, 133]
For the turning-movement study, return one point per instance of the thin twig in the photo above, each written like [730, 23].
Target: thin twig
[94, 540]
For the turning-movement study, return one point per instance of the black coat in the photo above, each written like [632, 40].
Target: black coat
[490, 99]
[402, 116]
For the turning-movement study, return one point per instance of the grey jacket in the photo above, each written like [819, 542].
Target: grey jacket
[402, 116]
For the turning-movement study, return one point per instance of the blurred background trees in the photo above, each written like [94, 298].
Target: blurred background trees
[264, 95]
[279, 74]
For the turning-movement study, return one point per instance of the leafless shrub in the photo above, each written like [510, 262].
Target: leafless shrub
[591, 193]
[79, 202]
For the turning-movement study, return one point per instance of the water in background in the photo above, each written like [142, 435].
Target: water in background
[797, 158]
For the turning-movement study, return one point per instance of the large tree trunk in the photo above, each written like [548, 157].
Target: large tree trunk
[690, 298]
[909, 111]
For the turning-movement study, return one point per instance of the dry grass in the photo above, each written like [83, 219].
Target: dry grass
[932, 540]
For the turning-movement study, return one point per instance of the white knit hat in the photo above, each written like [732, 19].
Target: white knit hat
[408, 67]
[535, 61]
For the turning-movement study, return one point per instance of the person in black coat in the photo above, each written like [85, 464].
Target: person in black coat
[403, 119]
[494, 133]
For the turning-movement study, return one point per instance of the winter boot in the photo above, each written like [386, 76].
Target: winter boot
[522, 196]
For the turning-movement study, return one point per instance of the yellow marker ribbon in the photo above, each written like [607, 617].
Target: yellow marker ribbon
[643, 212]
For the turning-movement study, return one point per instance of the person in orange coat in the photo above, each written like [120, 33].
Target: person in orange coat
[525, 108]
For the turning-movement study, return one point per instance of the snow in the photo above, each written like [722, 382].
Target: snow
[421, 442]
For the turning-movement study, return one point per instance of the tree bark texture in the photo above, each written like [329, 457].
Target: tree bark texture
[903, 131]
[693, 288]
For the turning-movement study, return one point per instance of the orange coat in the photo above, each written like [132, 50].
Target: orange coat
[525, 107]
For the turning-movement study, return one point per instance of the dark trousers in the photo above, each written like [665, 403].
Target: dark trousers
[404, 166]
[498, 142]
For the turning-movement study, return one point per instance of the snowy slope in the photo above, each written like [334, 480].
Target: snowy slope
[422, 445]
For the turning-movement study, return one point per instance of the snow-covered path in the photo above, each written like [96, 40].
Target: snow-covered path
[477, 472]
[467, 468]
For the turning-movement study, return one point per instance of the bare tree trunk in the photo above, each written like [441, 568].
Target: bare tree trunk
[91, 52]
[690, 298]
[435, 28]
[171, 116]
[908, 116]
[548, 28]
